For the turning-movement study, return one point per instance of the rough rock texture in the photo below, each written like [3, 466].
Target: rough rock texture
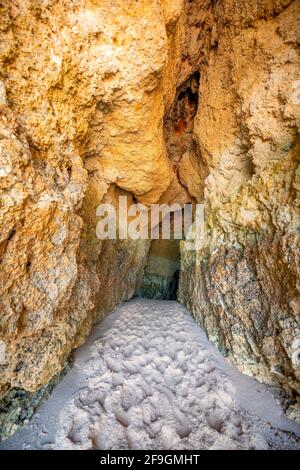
[18, 406]
[98, 98]
[82, 102]
[148, 378]
[242, 284]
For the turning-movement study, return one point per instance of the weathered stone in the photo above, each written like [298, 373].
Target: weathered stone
[163, 101]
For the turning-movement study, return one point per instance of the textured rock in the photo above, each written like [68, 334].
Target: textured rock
[243, 282]
[18, 406]
[82, 101]
[160, 280]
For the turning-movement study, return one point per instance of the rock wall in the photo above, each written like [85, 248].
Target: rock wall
[83, 87]
[242, 284]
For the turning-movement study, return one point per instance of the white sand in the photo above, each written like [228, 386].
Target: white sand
[147, 378]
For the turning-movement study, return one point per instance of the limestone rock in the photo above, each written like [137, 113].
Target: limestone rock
[243, 282]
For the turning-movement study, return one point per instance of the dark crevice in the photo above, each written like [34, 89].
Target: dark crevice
[161, 276]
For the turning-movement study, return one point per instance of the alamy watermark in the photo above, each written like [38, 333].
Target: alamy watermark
[157, 221]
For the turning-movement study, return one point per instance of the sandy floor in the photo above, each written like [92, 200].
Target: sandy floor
[147, 378]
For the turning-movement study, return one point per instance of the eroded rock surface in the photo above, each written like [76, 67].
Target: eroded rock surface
[243, 282]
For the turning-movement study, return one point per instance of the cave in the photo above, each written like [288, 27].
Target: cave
[149, 225]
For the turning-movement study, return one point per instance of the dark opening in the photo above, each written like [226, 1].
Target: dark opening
[174, 286]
